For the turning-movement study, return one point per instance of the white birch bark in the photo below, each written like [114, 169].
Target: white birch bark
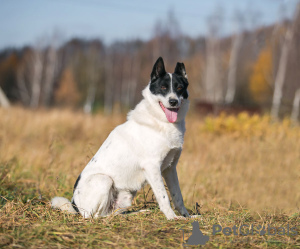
[22, 87]
[296, 104]
[4, 102]
[37, 70]
[51, 65]
[212, 75]
[281, 72]
[213, 87]
[233, 63]
[92, 77]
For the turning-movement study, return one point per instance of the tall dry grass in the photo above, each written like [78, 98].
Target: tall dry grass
[226, 161]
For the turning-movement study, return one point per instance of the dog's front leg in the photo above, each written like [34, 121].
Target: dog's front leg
[154, 178]
[171, 178]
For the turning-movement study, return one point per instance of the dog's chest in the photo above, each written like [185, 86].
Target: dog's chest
[170, 157]
[173, 138]
[170, 147]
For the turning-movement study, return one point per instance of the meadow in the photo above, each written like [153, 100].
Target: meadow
[240, 170]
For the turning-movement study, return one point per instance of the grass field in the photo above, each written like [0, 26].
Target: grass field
[240, 170]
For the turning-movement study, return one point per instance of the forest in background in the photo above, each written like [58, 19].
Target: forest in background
[254, 68]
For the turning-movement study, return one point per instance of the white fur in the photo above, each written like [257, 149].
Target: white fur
[63, 204]
[143, 149]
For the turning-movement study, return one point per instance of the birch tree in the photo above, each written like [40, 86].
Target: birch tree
[296, 104]
[50, 74]
[282, 68]
[92, 76]
[36, 64]
[29, 77]
[213, 89]
[23, 88]
[4, 102]
[233, 61]
[108, 91]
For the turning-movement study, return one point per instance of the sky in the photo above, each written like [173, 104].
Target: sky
[25, 22]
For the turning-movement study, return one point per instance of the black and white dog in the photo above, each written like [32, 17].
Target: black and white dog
[142, 150]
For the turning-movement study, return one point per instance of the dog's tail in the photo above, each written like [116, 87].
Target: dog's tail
[63, 204]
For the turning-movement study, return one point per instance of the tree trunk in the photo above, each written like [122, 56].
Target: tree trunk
[125, 82]
[22, 88]
[296, 104]
[90, 99]
[233, 63]
[92, 88]
[37, 69]
[213, 91]
[92, 76]
[108, 94]
[4, 102]
[50, 69]
[280, 76]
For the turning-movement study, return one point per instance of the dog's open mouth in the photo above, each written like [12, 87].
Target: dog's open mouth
[171, 113]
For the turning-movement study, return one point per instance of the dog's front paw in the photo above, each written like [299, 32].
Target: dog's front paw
[184, 212]
[170, 215]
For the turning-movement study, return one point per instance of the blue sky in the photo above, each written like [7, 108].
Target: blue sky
[24, 22]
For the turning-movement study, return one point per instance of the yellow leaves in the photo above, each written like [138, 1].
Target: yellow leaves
[244, 125]
[260, 80]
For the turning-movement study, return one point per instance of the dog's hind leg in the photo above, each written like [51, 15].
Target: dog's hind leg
[123, 201]
[94, 196]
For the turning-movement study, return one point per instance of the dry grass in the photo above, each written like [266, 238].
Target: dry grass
[241, 170]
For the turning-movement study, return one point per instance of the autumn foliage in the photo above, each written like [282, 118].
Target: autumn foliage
[261, 79]
[67, 94]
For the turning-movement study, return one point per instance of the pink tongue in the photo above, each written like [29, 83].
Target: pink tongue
[171, 114]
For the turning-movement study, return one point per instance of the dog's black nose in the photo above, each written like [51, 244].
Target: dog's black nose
[173, 102]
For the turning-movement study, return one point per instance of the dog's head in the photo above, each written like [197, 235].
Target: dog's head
[170, 89]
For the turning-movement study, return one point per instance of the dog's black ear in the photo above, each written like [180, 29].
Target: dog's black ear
[158, 69]
[180, 70]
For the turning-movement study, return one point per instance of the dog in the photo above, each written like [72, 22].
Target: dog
[144, 149]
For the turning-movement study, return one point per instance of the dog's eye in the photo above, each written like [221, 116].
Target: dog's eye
[179, 88]
[163, 88]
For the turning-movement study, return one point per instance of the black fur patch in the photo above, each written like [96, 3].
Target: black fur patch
[161, 81]
[76, 183]
[161, 85]
[180, 85]
[75, 206]
[158, 70]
